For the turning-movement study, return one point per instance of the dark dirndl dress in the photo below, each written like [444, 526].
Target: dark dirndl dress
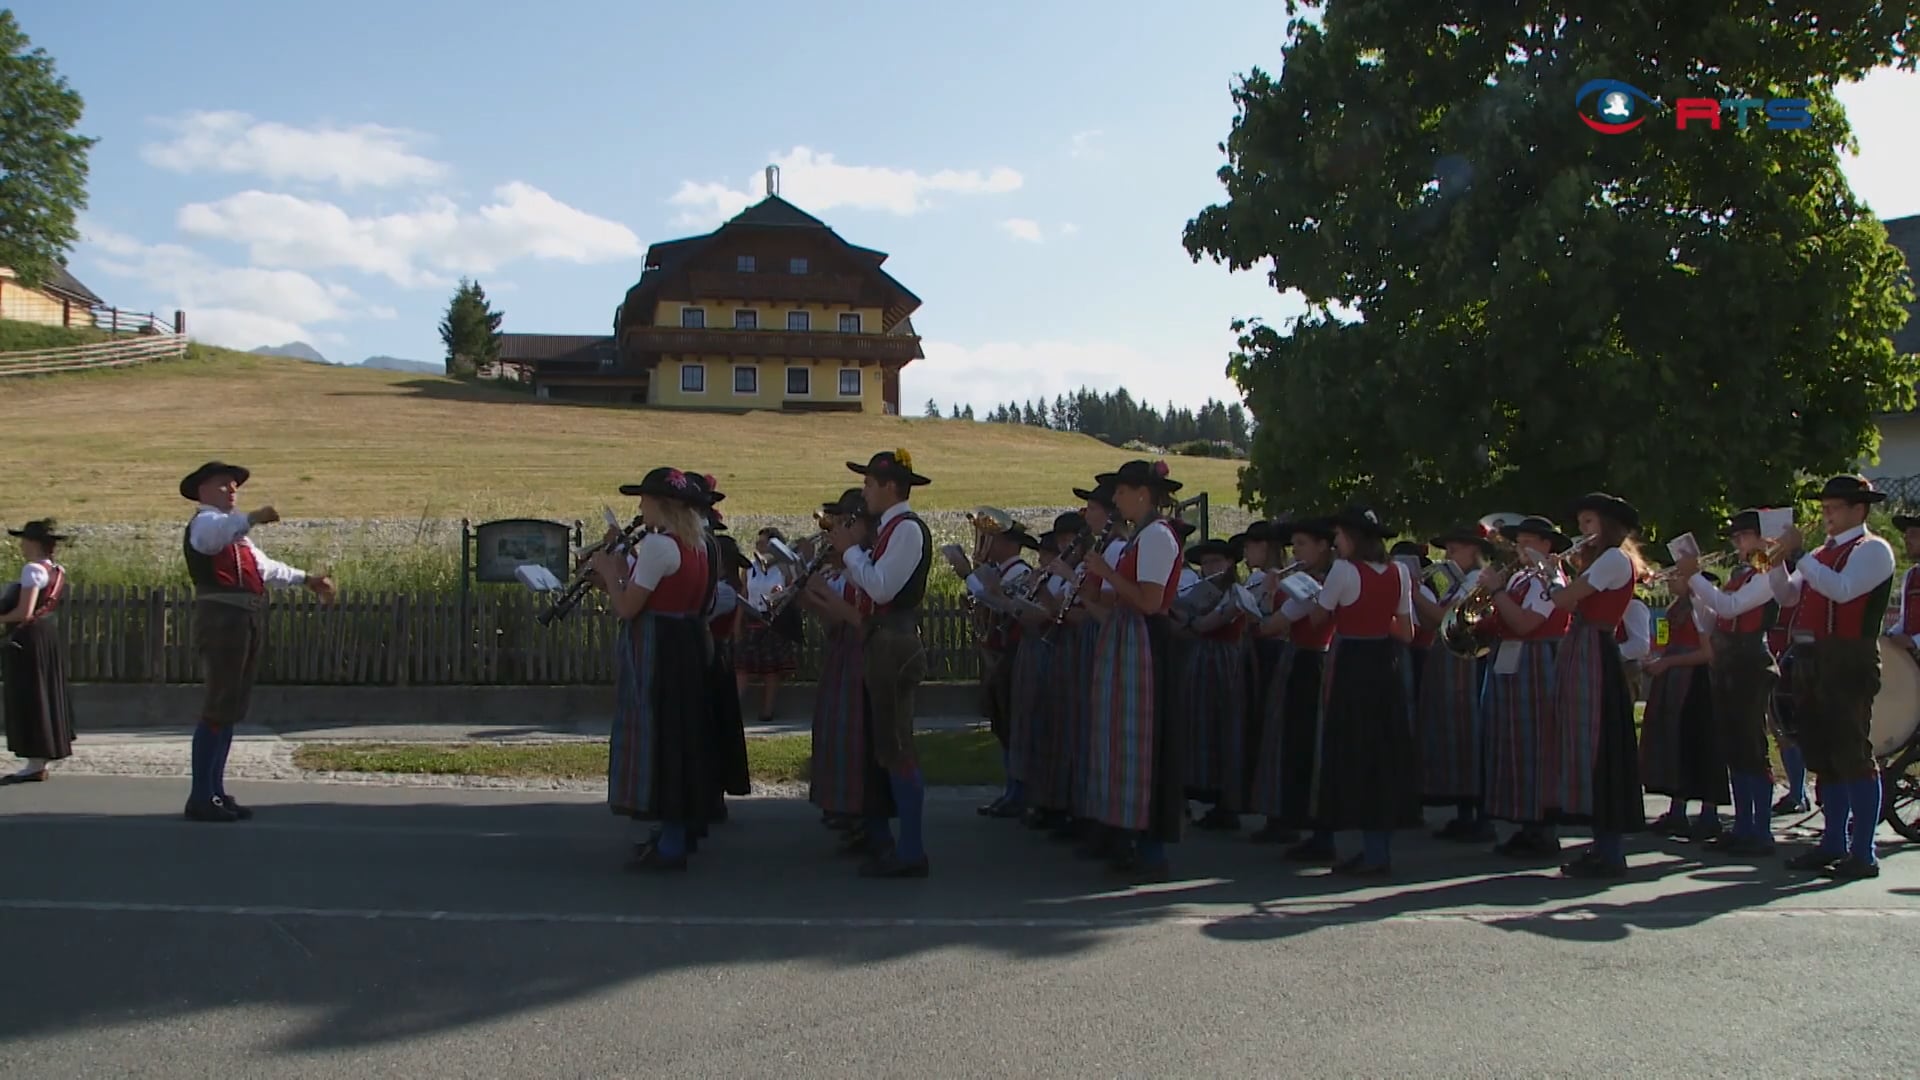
[841, 758]
[763, 650]
[660, 754]
[39, 713]
[1516, 722]
[1066, 703]
[1592, 765]
[1367, 775]
[1679, 748]
[1031, 721]
[1289, 740]
[1211, 690]
[1449, 726]
[1087, 636]
[1136, 780]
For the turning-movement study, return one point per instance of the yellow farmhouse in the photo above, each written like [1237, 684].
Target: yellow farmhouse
[772, 310]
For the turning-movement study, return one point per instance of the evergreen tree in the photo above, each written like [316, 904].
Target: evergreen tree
[470, 331]
[933, 410]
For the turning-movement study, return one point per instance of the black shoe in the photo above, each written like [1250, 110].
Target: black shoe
[1790, 805]
[1274, 834]
[1853, 869]
[1218, 820]
[647, 859]
[890, 865]
[1735, 844]
[1359, 867]
[1588, 865]
[992, 808]
[209, 810]
[233, 804]
[1673, 824]
[1311, 853]
[1815, 860]
[1136, 871]
[1012, 808]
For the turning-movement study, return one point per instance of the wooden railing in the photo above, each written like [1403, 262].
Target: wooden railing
[820, 344]
[138, 349]
[122, 634]
[113, 320]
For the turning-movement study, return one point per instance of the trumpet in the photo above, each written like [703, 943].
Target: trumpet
[576, 590]
[1462, 627]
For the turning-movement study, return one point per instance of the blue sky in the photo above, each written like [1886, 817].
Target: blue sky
[285, 171]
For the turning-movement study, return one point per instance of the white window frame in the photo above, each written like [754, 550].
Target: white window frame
[744, 264]
[859, 382]
[797, 265]
[857, 321]
[808, 372]
[753, 319]
[699, 367]
[699, 315]
[806, 321]
[751, 369]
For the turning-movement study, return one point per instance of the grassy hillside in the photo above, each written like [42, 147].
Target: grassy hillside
[354, 443]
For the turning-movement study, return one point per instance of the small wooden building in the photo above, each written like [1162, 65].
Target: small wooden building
[60, 300]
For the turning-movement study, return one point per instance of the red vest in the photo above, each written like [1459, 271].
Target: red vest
[683, 592]
[1423, 635]
[1620, 633]
[1753, 621]
[1606, 607]
[1823, 618]
[1129, 568]
[50, 597]
[1682, 630]
[1370, 615]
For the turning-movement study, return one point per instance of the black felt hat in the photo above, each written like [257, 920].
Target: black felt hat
[1902, 522]
[851, 503]
[1182, 528]
[1854, 489]
[1362, 520]
[1140, 473]
[1464, 534]
[1413, 548]
[1744, 521]
[891, 465]
[1069, 524]
[190, 485]
[1320, 528]
[666, 483]
[41, 530]
[1609, 506]
[1535, 525]
[1100, 494]
[1225, 549]
[1260, 532]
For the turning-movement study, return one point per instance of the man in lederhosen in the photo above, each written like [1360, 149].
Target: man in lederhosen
[1842, 591]
[1744, 675]
[894, 576]
[231, 576]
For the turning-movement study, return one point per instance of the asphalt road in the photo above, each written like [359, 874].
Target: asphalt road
[365, 931]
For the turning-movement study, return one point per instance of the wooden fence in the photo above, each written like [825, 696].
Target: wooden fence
[120, 352]
[126, 634]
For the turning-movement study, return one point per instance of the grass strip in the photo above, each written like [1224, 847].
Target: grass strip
[947, 757]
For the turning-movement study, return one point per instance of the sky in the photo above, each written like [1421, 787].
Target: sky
[284, 172]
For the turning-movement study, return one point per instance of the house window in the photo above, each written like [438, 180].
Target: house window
[796, 266]
[743, 263]
[799, 381]
[693, 318]
[693, 378]
[799, 320]
[745, 320]
[850, 322]
[850, 382]
[746, 380]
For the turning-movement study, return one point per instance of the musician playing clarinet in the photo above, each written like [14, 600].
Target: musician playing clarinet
[894, 578]
[1842, 593]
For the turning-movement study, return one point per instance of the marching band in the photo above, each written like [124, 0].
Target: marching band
[1343, 686]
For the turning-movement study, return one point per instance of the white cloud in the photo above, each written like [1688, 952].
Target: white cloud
[817, 183]
[1000, 372]
[1880, 108]
[523, 222]
[1022, 229]
[1085, 144]
[364, 155]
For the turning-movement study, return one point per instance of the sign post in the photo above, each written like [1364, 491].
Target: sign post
[1180, 509]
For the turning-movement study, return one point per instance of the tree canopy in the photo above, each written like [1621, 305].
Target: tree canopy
[1508, 308]
[43, 164]
[470, 330]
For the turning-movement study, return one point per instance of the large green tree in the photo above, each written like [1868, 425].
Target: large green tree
[43, 164]
[1507, 309]
[470, 330]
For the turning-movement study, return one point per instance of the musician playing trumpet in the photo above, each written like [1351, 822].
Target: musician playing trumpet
[846, 782]
[1084, 607]
[1035, 719]
[1282, 784]
[1211, 684]
[1518, 693]
[1448, 711]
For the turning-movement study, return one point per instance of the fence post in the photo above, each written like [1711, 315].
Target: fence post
[156, 658]
[179, 321]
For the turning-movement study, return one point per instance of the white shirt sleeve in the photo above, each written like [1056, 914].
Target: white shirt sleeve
[1870, 564]
[1537, 599]
[1342, 586]
[1406, 592]
[1610, 571]
[1639, 623]
[1159, 551]
[1189, 577]
[1757, 591]
[1703, 619]
[883, 579]
[1115, 549]
[34, 576]
[211, 531]
[1295, 610]
[724, 600]
[275, 574]
[657, 556]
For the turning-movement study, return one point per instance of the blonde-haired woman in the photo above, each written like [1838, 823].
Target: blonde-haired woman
[34, 661]
[657, 761]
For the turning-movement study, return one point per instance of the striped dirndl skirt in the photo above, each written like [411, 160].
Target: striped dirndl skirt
[1087, 648]
[1211, 691]
[837, 779]
[1592, 767]
[1289, 740]
[1449, 726]
[1030, 720]
[1120, 741]
[1514, 716]
[1066, 703]
[1679, 750]
[657, 753]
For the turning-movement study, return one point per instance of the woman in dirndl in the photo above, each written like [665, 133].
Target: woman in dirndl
[1592, 774]
[842, 780]
[1448, 710]
[659, 765]
[1679, 750]
[728, 732]
[33, 660]
[1035, 730]
[1290, 715]
[1076, 635]
[766, 651]
[1516, 700]
[1413, 556]
[1137, 784]
[1211, 686]
[1260, 549]
[1368, 773]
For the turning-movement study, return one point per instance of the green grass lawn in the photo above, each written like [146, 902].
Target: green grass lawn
[957, 758]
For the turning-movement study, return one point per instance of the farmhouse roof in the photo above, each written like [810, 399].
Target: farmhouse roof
[529, 348]
[1904, 233]
[61, 282]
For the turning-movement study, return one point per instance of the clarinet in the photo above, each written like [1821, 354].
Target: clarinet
[1080, 571]
[583, 579]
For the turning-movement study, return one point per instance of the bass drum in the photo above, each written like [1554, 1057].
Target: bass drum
[1896, 708]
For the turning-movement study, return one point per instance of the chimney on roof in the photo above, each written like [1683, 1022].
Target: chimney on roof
[773, 180]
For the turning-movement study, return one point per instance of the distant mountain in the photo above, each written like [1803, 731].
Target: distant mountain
[297, 350]
[394, 363]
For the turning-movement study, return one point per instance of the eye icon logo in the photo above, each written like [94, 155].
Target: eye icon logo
[1617, 106]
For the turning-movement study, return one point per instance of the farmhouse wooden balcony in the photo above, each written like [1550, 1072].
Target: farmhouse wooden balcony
[797, 344]
[804, 288]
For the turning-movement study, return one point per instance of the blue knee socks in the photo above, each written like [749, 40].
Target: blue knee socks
[1834, 842]
[673, 841]
[1374, 847]
[1796, 773]
[910, 796]
[206, 739]
[220, 752]
[1153, 852]
[1864, 797]
[1608, 848]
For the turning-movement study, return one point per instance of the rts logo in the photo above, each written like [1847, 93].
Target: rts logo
[1620, 107]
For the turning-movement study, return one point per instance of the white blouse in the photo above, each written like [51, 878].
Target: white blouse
[35, 576]
[657, 557]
